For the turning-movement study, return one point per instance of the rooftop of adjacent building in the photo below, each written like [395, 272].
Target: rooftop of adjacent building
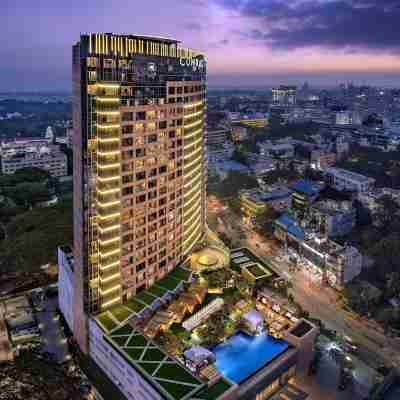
[315, 242]
[332, 207]
[307, 186]
[346, 174]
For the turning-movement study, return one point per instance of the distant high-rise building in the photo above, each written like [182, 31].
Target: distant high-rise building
[284, 95]
[348, 118]
[139, 165]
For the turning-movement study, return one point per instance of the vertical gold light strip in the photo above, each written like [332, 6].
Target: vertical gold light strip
[90, 43]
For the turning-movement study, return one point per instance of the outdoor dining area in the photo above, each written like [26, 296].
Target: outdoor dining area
[278, 313]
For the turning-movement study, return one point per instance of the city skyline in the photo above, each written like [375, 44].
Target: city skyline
[248, 43]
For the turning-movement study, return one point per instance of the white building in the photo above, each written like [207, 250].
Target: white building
[20, 146]
[49, 135]
[279, 150]
[66, 283]
[328, 260]
[49, 158]
[344, 180]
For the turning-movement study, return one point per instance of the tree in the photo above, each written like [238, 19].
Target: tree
[29, 193]
[393, 284]
[171, 343]
[387, 210]
[233, 183]
[264, 221]
[214, 330]
[240, 157]
[386, 254]
[279, 175]
[219, 278]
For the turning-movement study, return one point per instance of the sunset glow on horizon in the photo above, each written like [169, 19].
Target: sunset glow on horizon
[246, 38]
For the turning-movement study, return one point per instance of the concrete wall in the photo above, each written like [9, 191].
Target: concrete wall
[65, 288]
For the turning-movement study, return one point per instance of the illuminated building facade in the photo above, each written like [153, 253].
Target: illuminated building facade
[139, 165]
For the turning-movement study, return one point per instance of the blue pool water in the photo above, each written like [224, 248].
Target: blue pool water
[242, 355]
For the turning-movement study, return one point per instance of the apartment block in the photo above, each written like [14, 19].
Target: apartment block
[344, 180]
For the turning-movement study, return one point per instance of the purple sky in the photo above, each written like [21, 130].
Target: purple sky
[247, 42]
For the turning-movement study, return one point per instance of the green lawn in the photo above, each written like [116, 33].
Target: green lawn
[148, 367]
[180, 274]
[137, 340]
[145, 297]
[121, 313]
[120, 340]
[168, 283]
[124, 330]
[254, 258]
[175, 389]
[157, 291]
[176, 372]
[214, 391]
[134, 305]
[106, 321]
[257, 271]
[134, 354]
[153, 354]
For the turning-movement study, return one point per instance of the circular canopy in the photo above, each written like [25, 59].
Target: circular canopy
[210, 258]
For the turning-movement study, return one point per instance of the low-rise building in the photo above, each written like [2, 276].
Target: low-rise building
[218, 154]
[325, 260]
[258, 120]
[18, 146]
[342, 147]
[333, 218]
[252, 204]
[20, 320]
[222, 168]
[278, 197]
[305, 192]
[277, 150]
[216, 137]
[239, 133]
[322, 160]
[344, 180]
[47, 157]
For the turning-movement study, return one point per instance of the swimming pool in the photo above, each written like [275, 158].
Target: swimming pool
[242, 355]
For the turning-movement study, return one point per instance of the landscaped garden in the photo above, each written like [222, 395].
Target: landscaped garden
[177, 315]
[169, 376]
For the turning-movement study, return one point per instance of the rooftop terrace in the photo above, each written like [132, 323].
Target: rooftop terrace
[244, 258]
[167, 375]
[145, 299]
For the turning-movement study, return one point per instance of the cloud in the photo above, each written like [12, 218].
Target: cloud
[338, 24]
[193, 26]
[218, 44]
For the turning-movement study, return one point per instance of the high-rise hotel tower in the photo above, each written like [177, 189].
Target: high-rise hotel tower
[139, 165]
